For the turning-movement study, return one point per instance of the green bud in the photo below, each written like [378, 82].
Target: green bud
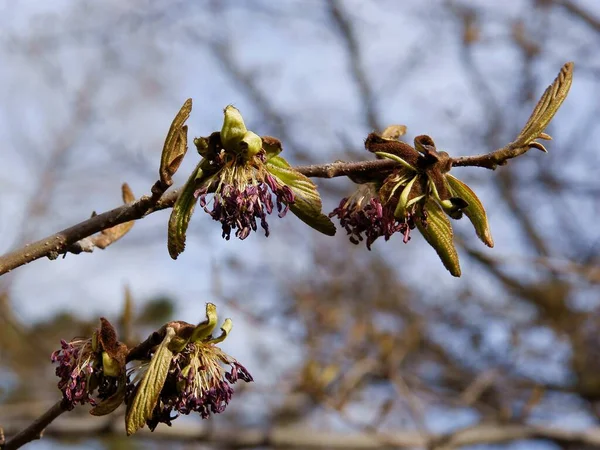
[251, 144]
[201, 144]
[272, 146]
[110, 366]
[233, 130]
[400, 211]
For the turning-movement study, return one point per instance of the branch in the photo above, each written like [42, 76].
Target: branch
[35, 430]
[63, 241]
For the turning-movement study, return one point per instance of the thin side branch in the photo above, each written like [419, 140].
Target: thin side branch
[491, 160]
[35, 430]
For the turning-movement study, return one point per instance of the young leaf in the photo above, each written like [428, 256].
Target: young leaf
[175, 145]
[148, 389]
[438, 233]
[475, 211]
[307, 205]
[181, 215]
[206, 327]
[546, 108]
[114, 401]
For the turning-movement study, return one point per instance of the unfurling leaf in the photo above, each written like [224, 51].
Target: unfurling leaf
[307, 203]
[175, 145]
[475, 211]
[393, 132]
[114, 401]
[438, 233]
[206, 327]
[545, 109]
[225, 330]
[181, 215]
[148, 390]
[251, 144]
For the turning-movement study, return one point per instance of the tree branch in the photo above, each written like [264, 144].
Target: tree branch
[59, 243]
[35, 430]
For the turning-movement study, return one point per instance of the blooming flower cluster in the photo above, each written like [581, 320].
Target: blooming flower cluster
[419, 193]
[77, 364]
[178, 370]
[197, 382]
[240, 173]
[363, 213]
[238, 205]
[188, 372]
[87, 366]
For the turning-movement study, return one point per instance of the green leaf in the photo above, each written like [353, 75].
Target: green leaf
[181, 214]
[175, 146]
[205, 328]
[225, 330]
[148, 389]
[113, 402]
[475, 211]
[546, 108]
[251, 144]
[438, 233]
[307, 205]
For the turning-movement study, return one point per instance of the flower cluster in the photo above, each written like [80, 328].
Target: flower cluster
[238, 205]
[197, 382]
[363, 213]
[419, 193]
[198, 376]
[77, 365]
[240, 173]
[89, 365]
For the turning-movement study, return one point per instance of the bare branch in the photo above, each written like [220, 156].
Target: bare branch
[35, 430]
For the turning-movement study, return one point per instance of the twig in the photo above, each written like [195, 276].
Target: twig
[491, 160]
[35, 430]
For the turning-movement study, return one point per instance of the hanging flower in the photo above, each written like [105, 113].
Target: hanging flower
[363, 213]
[92, 365]
[186, 373]
[240, 180]
[419, 193]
